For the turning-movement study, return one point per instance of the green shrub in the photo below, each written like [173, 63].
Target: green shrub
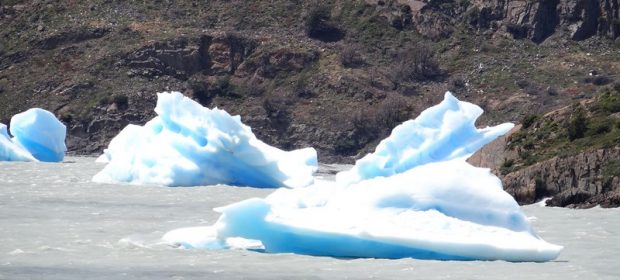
[278, 110]
[223, 87]
[599, 126]
[528, 120]
[610, 170]
[577, 125]
[609, 102]
[351, 57]
[507, 166]
[415, 64]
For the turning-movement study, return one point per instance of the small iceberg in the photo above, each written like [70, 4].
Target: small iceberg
[190, 145]
[415, 196]
[37, 136]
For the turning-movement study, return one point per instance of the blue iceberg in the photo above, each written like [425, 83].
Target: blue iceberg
[10, 151]
[415, 196]
[190, 145]
[443, 132]
[37, 136]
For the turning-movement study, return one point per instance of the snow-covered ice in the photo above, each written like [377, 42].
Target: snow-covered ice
[415, 196]
[190, 145]
[37, 135]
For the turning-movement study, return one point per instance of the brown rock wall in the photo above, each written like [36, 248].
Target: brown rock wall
[576, 181]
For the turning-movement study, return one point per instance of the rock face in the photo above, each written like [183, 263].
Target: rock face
[578, 181]
[583, 180]
[185, 57]
[535, 20]
[494, 154]
[92, 134]
[538, 20]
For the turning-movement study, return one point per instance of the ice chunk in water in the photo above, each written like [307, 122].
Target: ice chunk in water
[190, 145]
[37, 135]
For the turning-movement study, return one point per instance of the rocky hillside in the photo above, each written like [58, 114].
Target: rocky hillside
[571, 155]
[536, 20]
[336, 75]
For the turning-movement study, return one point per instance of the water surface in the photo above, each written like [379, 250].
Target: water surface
[56, 224]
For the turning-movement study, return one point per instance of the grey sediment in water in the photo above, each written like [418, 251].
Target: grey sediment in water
[56, 224]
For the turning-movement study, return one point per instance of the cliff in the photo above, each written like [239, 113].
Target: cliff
[581, 181]
[570, 155]
[535, 20]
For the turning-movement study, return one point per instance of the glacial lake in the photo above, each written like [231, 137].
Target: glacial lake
[56, 224]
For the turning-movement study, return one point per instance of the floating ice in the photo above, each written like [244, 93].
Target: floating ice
[431, 205]
[38, 135]
[10, 151]
[190, 145]
[442, 132]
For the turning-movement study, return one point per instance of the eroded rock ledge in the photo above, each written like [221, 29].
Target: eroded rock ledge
[579, 181]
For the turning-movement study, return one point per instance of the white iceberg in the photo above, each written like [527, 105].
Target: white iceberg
[190, 145]
[37, 136]
[430, 204]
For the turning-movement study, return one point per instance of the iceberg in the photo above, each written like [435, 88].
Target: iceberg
[415, 196]
[10, 151]
[187, 144]
[443, 132]
[37, 136]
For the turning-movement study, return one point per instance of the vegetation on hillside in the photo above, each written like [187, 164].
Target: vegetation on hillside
[336, 75]
[583, 126]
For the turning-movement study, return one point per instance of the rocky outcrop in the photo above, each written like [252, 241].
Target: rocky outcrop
[183, 57]
[91, 135]
[219, 64]
[493, 154]
[215, 55]
[588, 18]
[432, 19]
[576, 176]
[536, 20]
[584, 180]
[278, 61]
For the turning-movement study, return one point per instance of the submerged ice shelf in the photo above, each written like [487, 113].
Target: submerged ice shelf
[415, 196]
[37, 136]
[190, 145]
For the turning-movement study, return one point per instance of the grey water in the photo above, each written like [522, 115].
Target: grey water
[56, 224]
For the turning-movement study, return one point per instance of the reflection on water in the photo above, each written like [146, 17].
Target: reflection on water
[56, 224]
